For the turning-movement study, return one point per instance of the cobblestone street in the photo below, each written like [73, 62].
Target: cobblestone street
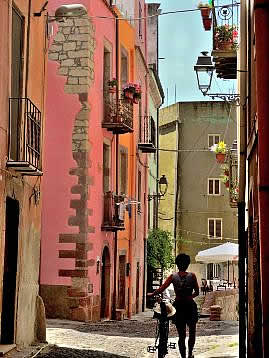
[130, 338]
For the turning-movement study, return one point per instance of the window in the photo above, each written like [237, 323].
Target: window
[213, 271]
[215, 228]
[123, 171]
[213, 139]
[124, 67]
[106, 69]
[213, 186]
[16, 82]
[106, 167]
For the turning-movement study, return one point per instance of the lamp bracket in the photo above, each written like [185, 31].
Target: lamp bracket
[227, 97]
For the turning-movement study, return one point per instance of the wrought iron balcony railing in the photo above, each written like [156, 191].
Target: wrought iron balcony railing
[233, 177]
[225, 16]
[24, 144]
[147, 135]
[114, 210]
[118, 114]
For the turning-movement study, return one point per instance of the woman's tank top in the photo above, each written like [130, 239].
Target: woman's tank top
[183, 285]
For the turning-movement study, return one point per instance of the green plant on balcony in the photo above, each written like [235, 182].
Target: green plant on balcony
[220, 150]
[226, 37]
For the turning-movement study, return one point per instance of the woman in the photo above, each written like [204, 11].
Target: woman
[186, 288]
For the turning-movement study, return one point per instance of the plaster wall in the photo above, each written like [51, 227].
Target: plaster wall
[196, 165]
[12, 184]
[75, 113]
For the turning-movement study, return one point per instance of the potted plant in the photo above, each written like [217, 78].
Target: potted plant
[225, 169]
[226, 37]
[220, 150]
[205, 9]
[112, 85]
[137, 94]
[225, 180]
[129, 90]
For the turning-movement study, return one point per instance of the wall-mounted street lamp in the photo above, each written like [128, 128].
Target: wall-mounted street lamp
[163, 185]
[204, 71]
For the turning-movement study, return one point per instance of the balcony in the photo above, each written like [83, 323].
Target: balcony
[233, 177]
[24, 137]
[147, 137]
[113, 213]
[118, 114]
[225, 19]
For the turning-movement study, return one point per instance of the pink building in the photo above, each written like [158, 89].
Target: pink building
[77, 256]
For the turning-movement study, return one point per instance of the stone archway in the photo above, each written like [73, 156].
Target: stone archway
[105, 284]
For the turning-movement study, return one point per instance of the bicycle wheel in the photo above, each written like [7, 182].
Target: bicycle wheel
[163, 338]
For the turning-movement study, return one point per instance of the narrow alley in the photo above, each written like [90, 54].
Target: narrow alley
[130, 338]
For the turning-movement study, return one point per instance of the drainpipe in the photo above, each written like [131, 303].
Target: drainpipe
[242, 238]
[261, 18]
[116, 173]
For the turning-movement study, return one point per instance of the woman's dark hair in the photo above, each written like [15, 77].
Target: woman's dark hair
[182, 261]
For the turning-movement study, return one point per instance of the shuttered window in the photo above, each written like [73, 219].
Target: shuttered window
[213, 139]
[215, 228]
[213, 186]
[123, 171]
[106, 167]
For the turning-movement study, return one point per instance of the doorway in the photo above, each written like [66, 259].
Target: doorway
[137, 286]
[122, 293]
[105, 284]
[10, 272]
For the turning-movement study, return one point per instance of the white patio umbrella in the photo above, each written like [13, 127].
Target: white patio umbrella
[220, 253]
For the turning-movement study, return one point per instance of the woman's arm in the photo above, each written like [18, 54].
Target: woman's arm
[167, 282]
[195, 286]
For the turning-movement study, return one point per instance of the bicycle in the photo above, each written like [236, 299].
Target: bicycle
[163, 312]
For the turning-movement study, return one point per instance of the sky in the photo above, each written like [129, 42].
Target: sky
[182, 38]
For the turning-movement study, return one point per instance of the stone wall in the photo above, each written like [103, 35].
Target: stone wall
[73, 48]
[227, 300]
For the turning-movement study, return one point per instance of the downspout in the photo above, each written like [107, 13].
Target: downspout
[116, 173]
[261, 18]
[242, 182]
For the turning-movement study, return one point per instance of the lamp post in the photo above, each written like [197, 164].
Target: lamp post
[163, 185]
[204, 71]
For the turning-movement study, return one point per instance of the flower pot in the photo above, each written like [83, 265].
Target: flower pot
[207, 22]
[227, 184]
[205, 11]
[128, 94]
[225, 45]
[220, 157]
[112, 89]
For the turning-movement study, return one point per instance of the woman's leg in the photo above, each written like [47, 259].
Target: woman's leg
[192, 337]
[181, 328]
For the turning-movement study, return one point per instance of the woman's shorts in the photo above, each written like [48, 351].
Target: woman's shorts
[186, 312]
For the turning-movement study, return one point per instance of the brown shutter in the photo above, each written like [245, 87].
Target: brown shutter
[218, 228]
[217, 187]
[211, 227]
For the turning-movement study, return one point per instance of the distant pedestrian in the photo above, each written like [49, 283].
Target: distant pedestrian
[186, 288]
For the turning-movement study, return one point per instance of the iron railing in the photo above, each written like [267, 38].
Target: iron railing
[225, 14]
[118, 114]
[113, 217]
[148, 131]
[24, 132]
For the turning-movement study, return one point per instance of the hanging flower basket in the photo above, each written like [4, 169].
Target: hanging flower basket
[207, 22]
[220, 157]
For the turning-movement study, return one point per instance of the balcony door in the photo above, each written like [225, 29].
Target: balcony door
[16, 84]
